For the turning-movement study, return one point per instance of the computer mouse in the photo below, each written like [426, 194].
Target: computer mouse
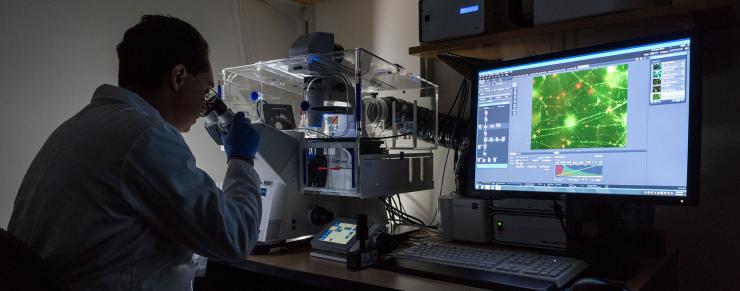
[595, 284]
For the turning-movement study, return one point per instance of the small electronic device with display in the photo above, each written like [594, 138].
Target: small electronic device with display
[443, 19]
[339, 237]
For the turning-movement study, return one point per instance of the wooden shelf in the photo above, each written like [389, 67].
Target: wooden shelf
[540, 38]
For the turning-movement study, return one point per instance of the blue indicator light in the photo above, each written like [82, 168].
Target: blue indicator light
[312, 59]
[468, 9]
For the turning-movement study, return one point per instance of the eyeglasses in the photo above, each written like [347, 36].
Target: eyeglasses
[211, 93]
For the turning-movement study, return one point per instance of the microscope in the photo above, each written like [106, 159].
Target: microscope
[339, 129]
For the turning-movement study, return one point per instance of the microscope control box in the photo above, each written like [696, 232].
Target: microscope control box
[465, 219]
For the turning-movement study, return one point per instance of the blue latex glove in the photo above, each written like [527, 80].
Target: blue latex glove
[242, 140]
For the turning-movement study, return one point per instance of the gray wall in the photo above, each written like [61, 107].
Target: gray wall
[53, 54]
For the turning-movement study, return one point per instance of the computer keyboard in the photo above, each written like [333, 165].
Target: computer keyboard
[559, 270]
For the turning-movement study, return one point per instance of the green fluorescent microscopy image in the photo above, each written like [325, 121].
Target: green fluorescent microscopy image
[580, 109]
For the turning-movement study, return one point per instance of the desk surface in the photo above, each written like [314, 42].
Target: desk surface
[300, 260]
[298, 265]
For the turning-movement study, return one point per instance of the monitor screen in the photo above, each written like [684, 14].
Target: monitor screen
[599, 122]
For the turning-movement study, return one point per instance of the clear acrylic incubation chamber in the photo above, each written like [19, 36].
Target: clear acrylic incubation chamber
[367, 126]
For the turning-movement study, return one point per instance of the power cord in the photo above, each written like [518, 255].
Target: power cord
[461, 92]
[559, 215]
[398, 216]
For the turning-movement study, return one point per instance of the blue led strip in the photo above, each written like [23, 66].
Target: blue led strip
[686, 41]
[468, 9]
[352, 153]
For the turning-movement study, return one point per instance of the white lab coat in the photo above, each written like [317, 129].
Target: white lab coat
[114, 201]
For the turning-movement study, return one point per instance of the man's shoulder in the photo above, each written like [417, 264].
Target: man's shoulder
[120, 110]
[115, 124]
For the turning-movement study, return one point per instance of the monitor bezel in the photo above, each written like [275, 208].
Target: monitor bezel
[694, 137]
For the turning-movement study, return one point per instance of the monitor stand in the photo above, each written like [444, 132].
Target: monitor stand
[609, 236]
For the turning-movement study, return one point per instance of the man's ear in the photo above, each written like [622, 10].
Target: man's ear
[177, 77]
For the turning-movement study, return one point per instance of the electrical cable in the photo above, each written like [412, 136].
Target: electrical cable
[447, 156]
[463, 140]
[400, 203]
[389, 211]
[387, 137]
[394, 204]
[414, 219]
[559, 215]
[404, 217]
[403, 210]
[391, 215]
[460, 115]
[454, 103]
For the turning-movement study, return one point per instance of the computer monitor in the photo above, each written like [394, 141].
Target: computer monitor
[617, 121]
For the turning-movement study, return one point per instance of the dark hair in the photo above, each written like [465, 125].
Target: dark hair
[153, 46]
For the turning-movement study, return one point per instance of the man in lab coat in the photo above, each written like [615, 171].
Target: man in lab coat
[114, 200]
